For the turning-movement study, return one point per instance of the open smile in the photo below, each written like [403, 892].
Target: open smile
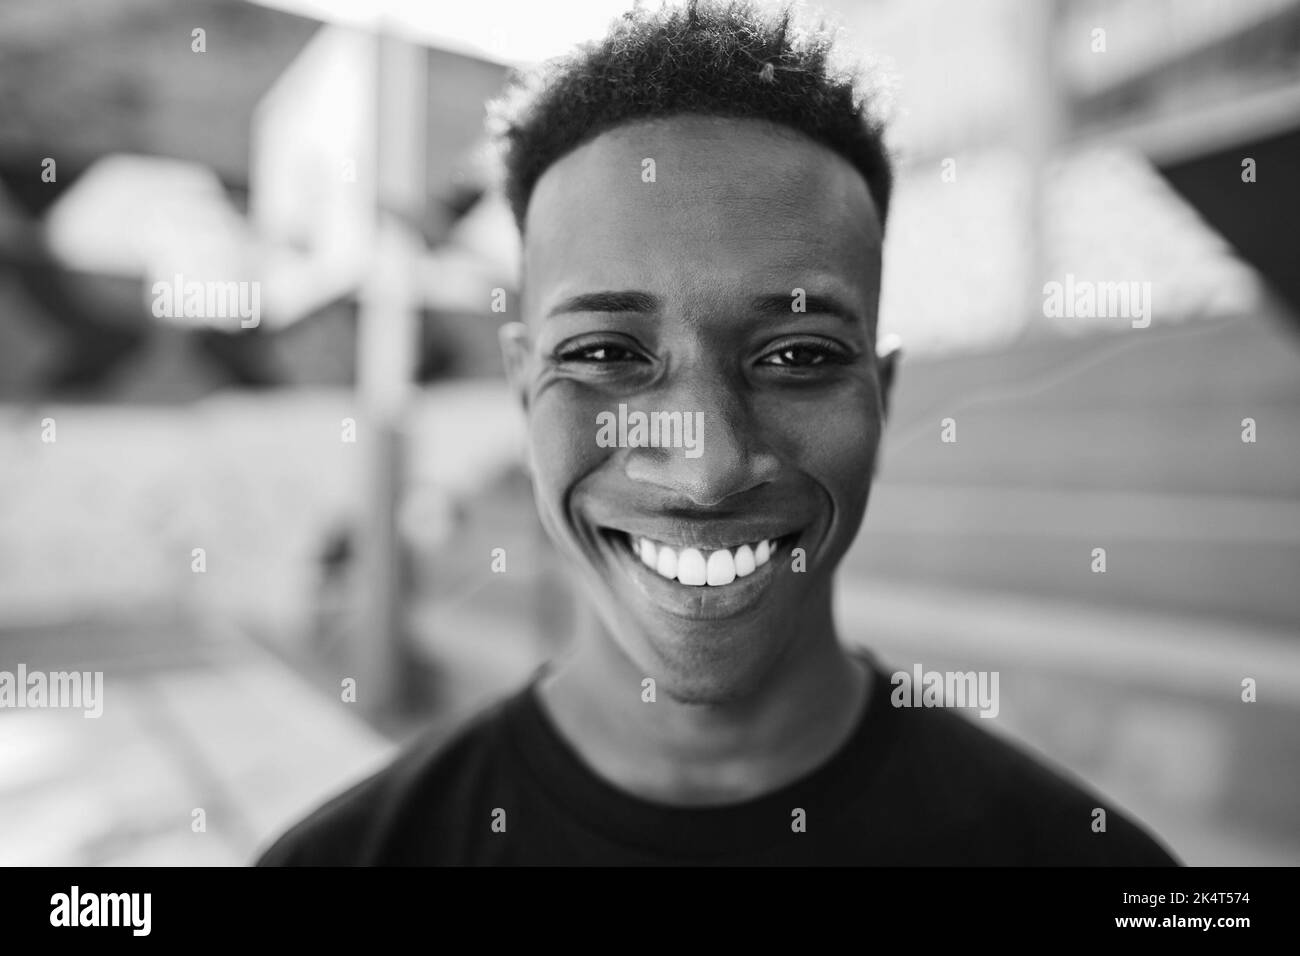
[696, 567]
[699, 582]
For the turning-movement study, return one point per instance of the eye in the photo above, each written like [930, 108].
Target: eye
[799, 355]
[598, 352]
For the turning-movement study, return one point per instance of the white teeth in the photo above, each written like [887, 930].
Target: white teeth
[721, 568]
[744, 561]
[691, 568]
[694, 567]
[667, 563]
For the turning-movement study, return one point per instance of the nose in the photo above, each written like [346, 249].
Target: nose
[732, 457]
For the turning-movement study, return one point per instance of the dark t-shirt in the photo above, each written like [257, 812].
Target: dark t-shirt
[909, 787]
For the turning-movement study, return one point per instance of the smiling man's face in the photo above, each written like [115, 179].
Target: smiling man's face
[679, 295]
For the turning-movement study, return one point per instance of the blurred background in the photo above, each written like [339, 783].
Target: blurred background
[349, 465]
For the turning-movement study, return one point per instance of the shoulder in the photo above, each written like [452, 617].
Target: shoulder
[997, 802]
[358, 826]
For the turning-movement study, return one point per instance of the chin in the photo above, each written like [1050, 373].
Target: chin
[712, 664]
[707, 692]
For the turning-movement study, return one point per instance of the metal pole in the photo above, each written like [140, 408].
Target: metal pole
[387, 341]
[1043, 122]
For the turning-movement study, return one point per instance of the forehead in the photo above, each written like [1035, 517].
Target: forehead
[734, 204]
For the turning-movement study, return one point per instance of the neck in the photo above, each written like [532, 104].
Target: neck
[694, 754]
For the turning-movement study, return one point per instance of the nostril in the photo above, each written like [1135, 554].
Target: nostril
[706, 482]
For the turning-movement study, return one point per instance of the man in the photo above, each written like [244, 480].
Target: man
[702, 200]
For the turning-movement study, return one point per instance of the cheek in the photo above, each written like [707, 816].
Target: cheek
[839, 450]
[562, 436]
[845, 451]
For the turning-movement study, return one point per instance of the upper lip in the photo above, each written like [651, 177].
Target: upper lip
[703, 535]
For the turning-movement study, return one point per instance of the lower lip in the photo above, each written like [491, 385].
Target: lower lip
[697, 602]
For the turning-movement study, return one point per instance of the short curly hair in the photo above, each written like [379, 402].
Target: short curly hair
[719, 59]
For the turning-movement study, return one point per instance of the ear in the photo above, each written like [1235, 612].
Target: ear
[889, 350]
[516, 350]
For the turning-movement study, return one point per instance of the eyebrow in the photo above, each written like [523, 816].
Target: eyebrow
[814, 303]
[775, 304]
[607, 302]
